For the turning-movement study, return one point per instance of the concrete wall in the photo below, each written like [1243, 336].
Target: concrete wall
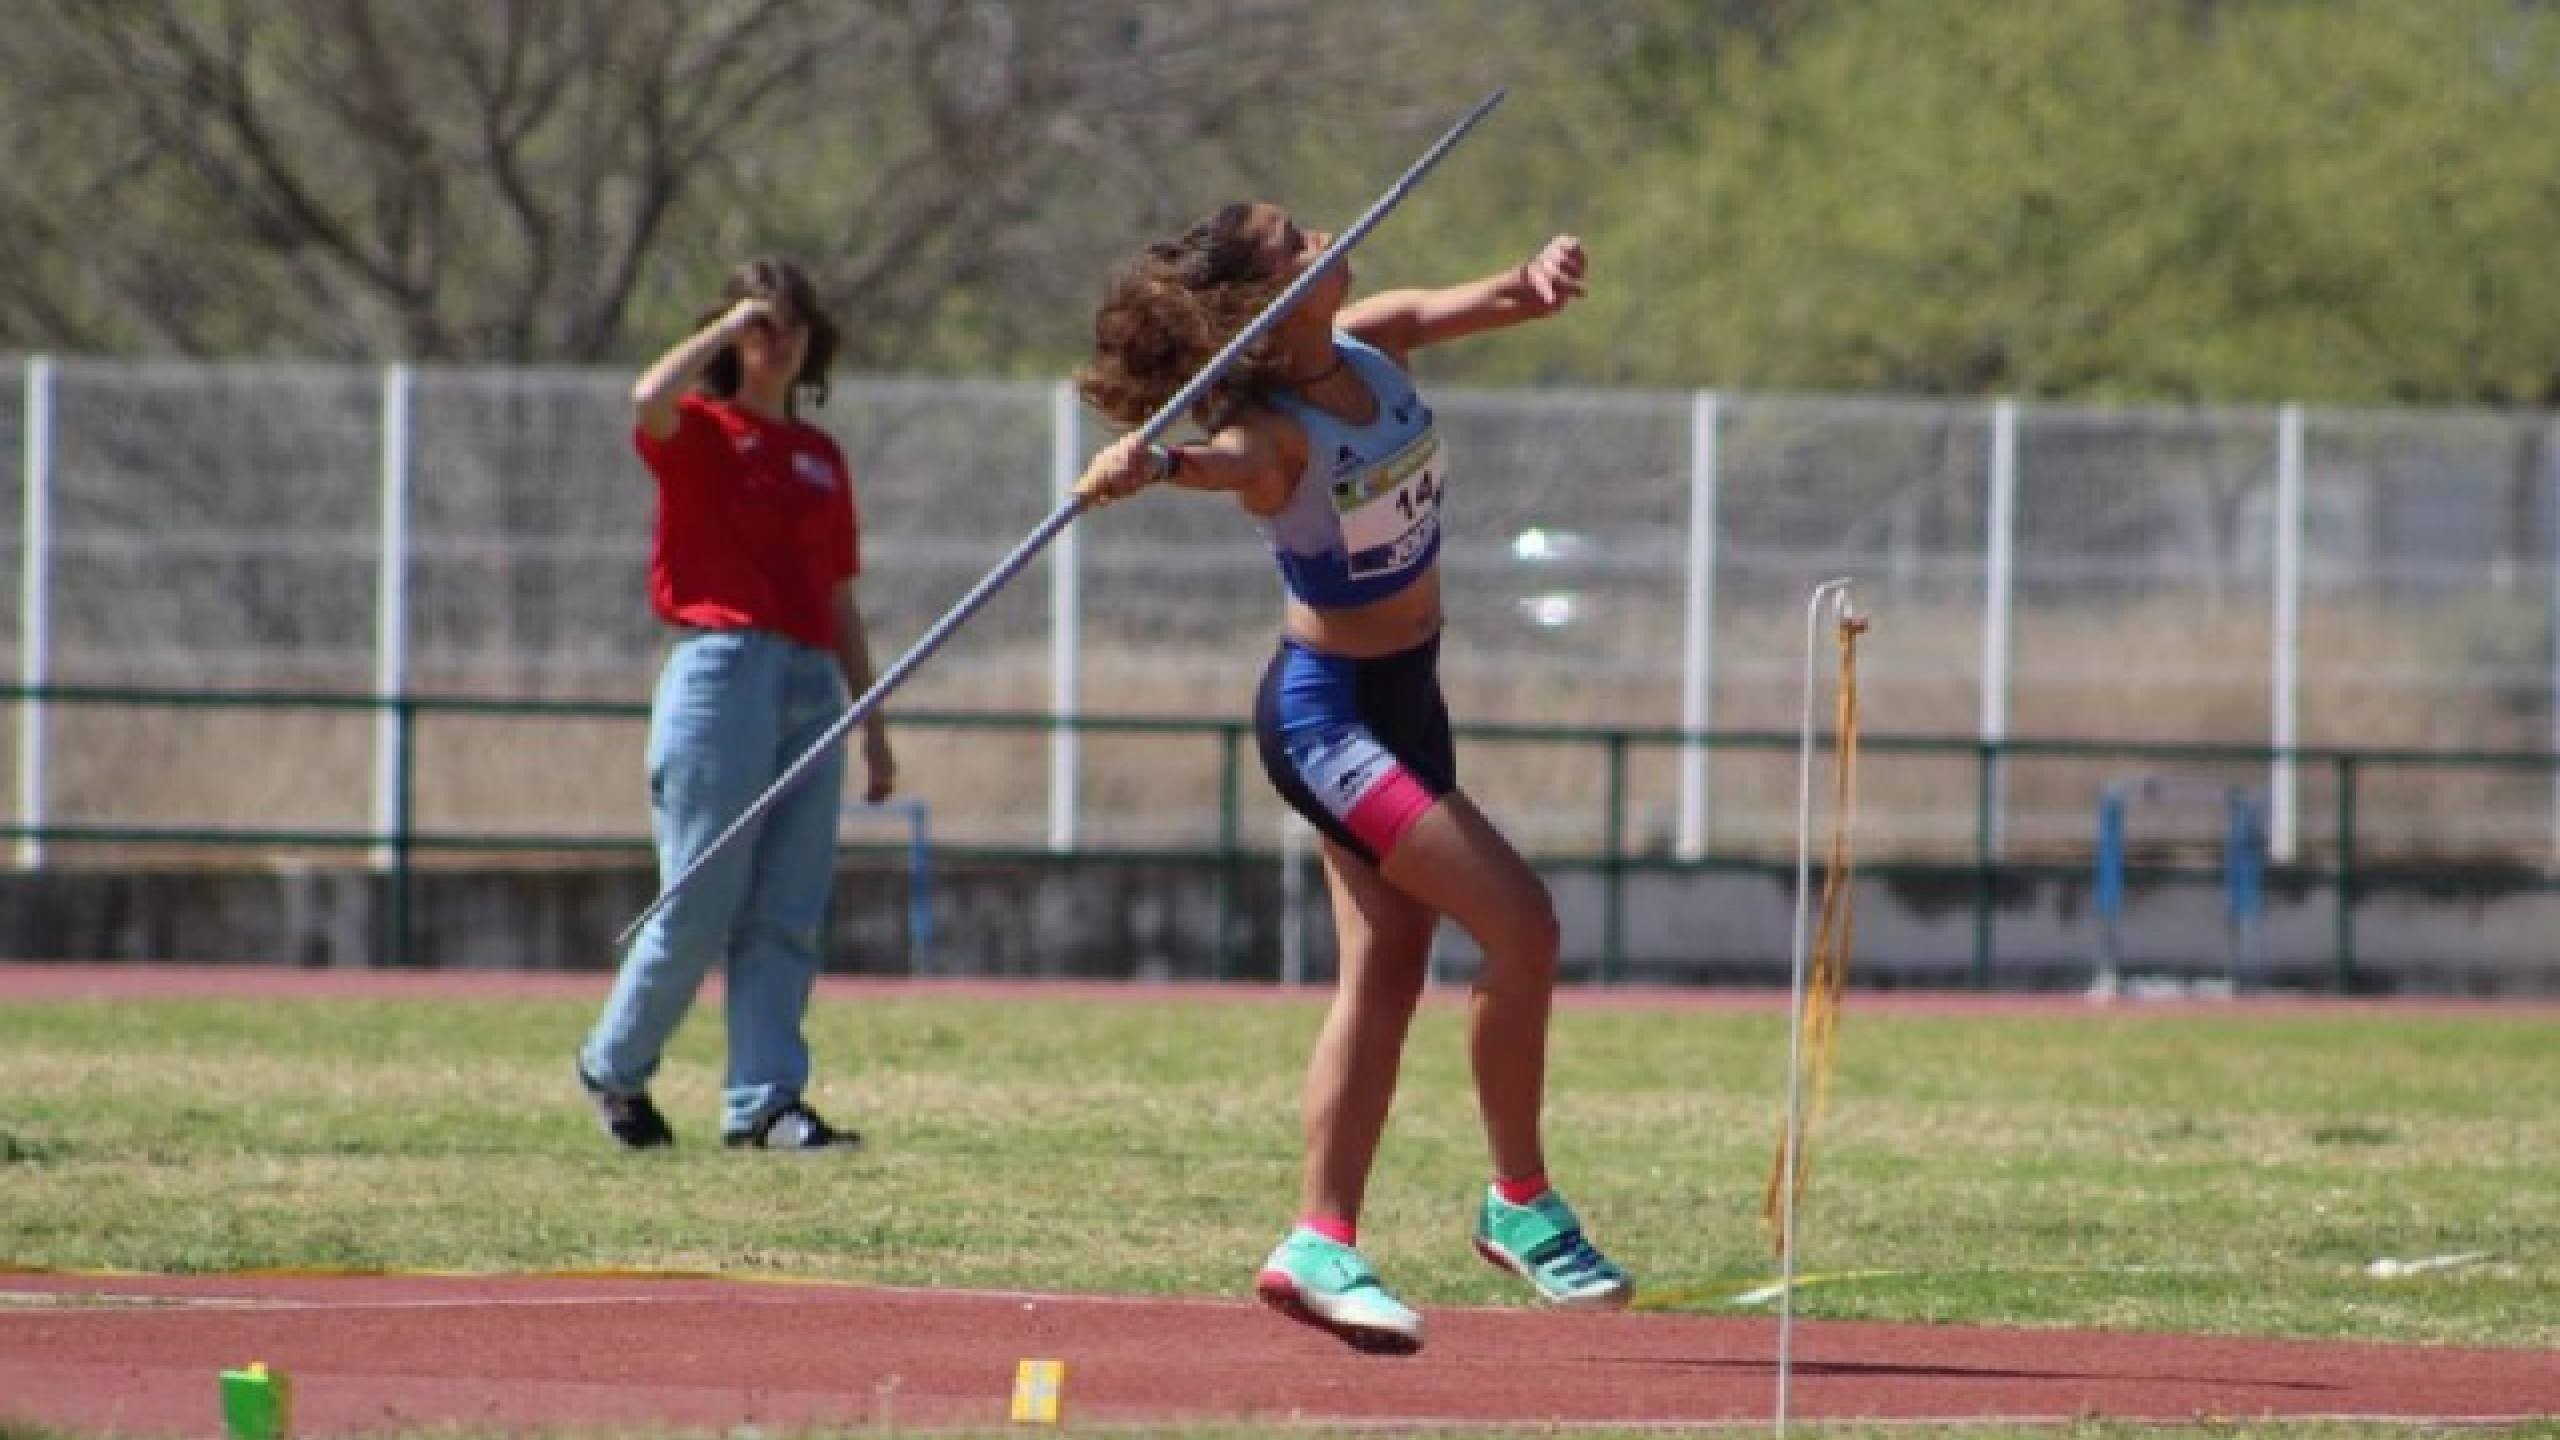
[1104, 918]
[1114, 918]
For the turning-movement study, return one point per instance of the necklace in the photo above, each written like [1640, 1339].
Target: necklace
[1322, 375]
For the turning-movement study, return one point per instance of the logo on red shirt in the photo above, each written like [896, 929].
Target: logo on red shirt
[813, 470]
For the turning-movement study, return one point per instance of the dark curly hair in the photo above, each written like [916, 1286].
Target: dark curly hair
[770, 277]
[1167, 311]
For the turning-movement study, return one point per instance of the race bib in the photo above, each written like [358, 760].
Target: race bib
[1390, 513]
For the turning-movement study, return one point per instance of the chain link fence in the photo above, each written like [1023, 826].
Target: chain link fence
[1626, 559]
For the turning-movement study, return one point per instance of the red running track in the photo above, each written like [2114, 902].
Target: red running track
[140, 1355]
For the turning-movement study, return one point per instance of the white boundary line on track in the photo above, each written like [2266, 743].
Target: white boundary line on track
[57, 1302]
[774, 1290]
[1367, 1424]
[130, 1303]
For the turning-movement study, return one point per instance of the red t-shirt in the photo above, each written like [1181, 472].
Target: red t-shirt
[755, 523]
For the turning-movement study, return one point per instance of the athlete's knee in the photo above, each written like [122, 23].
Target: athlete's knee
[1528, 937]
[1399, 986]
[1536, 905]
[1543, 941]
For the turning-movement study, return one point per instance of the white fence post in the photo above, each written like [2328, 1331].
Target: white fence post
[1066, 611]
[1999, 545]
[35, 604]
[391, 611]
[2288, 632]
[2551, 563]
[1697, 660]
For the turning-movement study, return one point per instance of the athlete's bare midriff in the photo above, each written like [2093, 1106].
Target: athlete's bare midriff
[1382, 627]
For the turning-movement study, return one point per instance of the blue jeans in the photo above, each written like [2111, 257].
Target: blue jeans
[734, 708]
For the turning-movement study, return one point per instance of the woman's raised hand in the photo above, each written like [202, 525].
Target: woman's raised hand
[749, 313]
[1554, 275]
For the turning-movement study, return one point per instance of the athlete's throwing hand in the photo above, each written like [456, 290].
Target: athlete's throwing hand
[1118, 470]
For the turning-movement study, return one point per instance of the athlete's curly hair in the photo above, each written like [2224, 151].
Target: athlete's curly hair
[773, 278]
[1167, 311]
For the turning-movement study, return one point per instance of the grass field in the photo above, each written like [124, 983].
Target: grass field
[2203, 1174]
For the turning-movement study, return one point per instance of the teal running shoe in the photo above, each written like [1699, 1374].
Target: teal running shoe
[1327, 1284]
[1542, 1242]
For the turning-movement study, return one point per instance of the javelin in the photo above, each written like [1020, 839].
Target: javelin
[1012, 565]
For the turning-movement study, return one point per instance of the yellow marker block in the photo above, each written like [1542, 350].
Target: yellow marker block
[1038, 1387]
[257, 1404]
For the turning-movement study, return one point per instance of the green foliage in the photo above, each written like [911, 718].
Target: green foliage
[2348, 201]
[2107, 198]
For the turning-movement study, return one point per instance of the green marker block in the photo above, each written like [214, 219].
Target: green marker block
[257, 1404]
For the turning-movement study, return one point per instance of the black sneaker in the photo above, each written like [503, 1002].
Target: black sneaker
[632, 1120]
[793, 1127]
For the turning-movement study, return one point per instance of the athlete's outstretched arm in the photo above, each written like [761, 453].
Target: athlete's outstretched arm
[1256, 463]
[1402, 321]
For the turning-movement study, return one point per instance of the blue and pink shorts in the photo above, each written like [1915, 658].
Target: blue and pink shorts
[1359, 747]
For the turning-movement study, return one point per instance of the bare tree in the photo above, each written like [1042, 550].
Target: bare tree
[519, 180]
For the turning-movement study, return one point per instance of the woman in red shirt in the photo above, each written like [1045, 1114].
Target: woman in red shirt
[754, 558]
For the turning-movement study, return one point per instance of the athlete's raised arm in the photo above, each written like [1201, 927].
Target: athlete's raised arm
[1402, 321]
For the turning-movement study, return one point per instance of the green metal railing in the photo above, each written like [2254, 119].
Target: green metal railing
[404, 841]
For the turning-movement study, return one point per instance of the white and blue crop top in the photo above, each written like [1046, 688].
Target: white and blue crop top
[1363, 521]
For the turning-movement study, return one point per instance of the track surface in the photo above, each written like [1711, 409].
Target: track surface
[140, 1355]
